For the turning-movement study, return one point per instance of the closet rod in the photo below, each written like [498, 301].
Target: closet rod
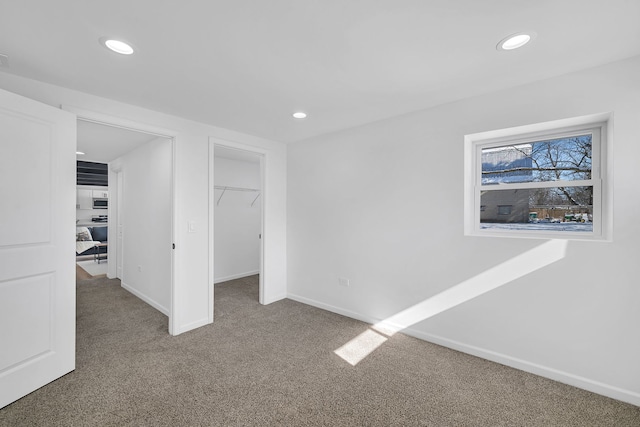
[224, 187]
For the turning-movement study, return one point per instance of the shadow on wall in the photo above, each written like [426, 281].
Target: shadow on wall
[539, 257]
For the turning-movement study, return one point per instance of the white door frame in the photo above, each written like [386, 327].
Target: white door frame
[116, 180]
[119, 122]
[263, 167]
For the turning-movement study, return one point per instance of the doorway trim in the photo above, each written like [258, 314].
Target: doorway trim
[119, 122]
[115, 171]
[263, 154]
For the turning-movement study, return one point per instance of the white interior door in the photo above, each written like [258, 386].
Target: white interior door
[37, 275]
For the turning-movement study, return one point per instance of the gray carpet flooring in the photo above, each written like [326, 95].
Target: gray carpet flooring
[275, 365]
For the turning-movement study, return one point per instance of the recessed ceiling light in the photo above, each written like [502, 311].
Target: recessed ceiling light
[300, 115]
[515, 41]
[79, 153]
[117, 46]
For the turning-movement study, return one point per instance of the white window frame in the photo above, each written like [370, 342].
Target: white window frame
[600, 127]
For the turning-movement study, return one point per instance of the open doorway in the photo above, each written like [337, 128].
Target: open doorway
[238, 221]
[133, 213]
[91, 214]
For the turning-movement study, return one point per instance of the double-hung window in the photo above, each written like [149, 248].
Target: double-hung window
[548, 180]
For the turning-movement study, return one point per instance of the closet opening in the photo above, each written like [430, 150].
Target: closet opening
[237, 225]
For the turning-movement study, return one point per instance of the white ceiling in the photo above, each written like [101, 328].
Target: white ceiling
[102, 143]
[247, 65]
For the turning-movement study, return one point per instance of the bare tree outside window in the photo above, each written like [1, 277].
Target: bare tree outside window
[562, 160]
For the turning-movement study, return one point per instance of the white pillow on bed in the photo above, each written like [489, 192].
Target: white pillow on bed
[83, 234]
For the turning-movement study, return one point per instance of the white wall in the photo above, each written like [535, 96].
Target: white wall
[237, 223]
[193, 289]
[382, 205]
[146, 220]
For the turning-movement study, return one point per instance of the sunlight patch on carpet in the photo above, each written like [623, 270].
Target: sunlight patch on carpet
[360, 347]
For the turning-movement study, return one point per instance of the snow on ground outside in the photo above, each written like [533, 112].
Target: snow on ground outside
[540, 226]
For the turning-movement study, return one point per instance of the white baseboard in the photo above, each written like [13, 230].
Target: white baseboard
[274, 299]
[190, 326]
[534, 368]
[331, 308]
[146, 299]
[235, 276]
[523, 365]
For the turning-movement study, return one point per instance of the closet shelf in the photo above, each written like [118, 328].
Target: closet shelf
[224, 189]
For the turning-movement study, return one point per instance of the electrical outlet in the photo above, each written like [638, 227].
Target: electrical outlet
[343, 281]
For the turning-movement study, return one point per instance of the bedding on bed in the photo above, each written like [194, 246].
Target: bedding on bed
[84, 241]
[83, 246]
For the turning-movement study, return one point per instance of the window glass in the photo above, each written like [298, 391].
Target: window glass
[504, 209]
[562, 159]
[549, 209]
